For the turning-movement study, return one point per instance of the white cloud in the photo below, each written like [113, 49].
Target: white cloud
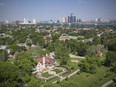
[1, 4]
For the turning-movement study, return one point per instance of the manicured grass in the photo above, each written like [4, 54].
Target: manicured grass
[46, 75]
[93, 80]
[79, 59]
[55, 79]
[57, 70]
[112, 85]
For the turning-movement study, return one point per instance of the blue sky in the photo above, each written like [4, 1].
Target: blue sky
[56, 9]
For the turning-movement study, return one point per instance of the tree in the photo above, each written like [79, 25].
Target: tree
[13, 48]
[62, 53]
[110, 58]
[96, 40]
[91, 51]
[35, 82]
[113, 67]
[9, 75]
[25, 62]
[112, 44]
[3, 55]
[37, 39]
[89, 64]
[81, 51]
[72, 45]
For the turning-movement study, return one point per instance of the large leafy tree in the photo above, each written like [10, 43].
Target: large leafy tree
[3, 55]
[34, 82]
[111, 54]
[37, 39]
[25, 62]
[9, 75]
[63, 54]
[15, 48]
[112, 44]
[89, 64]
[110, 58]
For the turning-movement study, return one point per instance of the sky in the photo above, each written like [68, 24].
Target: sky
[44, 10]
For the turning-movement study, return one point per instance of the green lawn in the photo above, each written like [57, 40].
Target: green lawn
[92, 80]
[112, 85]
[46, 74]
[57, 70]
[54, 79]
[79, 59]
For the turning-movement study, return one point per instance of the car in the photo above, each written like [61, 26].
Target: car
[114, 79]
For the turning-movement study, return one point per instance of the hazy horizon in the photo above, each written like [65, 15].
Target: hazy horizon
[43, 10]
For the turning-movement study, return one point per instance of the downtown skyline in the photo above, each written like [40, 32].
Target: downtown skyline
[43, 10]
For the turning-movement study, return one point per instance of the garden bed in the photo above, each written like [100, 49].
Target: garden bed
[46, 74]
[57, 70]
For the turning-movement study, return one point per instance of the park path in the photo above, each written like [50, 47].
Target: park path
[107, 83]
[62, 78]
[75, 56]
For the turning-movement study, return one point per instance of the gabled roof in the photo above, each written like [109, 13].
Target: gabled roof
[48, 59]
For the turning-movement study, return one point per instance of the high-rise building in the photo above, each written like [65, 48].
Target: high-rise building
[71, 18]
[78, 20]
[25, 21]
[97, 20]
[34, 21]
[6, 22]
[64, 20]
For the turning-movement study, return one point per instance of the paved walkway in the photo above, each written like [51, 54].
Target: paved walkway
[75, 56]
[107, 83]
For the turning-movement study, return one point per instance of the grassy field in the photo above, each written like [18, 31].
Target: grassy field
[79, 59]
[57, 70]
[46, 74]
[112, 85]
[92, 80]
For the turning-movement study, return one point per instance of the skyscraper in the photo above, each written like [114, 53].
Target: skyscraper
[97, 20]
[71, 18]
[64, 20]
[34, 21]
[25, 21]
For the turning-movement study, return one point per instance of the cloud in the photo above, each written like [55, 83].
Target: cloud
[80, 1]
[1, 4]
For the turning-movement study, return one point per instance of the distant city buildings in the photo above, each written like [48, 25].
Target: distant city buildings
[71, 18]
[68, 19]
[64, 20]
[97, 20]
[6, 21]
[79, 20]
[25, 21]
[34, 21]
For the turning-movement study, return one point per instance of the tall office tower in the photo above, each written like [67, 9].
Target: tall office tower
[64, 20]
[78, 20]
[6, 21]
[26, 21]
[34, 21]
[97, 20]
[74, 18]
[71, 18]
